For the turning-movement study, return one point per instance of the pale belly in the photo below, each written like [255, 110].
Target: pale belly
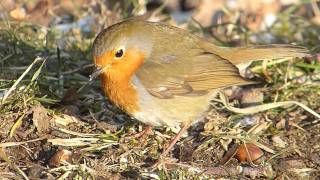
[169, 112]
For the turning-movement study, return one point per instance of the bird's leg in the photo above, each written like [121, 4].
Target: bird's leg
[143, 135]
[183, 129]
[159, 162]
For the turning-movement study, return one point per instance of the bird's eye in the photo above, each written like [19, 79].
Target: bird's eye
[119, 53]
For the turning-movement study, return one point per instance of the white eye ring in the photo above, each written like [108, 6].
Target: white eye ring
[119, 52]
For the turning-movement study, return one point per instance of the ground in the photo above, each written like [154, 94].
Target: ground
[56, 123]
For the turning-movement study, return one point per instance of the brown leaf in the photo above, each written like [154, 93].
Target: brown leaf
[60, 157]
[277, 141]
[70, 96]
[40, 118]
[251, 97]
[249, 153]
[7, 5]
[40, 13]
[18, 13]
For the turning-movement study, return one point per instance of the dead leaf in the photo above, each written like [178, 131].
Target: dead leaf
[40, 118]
[18, 13]
[251, 97]
[229, 154]
[249, 120]
[70, 96]
[16, 125]
[60, 157]
[3, 155]
[65, 120]
[296, 168]
[76, 142]
[277, 141]
[249, 153]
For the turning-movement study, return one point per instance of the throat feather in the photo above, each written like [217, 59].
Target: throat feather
[121, 93]
[116, 81]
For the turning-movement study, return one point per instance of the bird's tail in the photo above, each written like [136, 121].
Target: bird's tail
[240, 55]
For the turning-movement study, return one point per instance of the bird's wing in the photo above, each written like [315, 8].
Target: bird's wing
[261, 52]
[193, 73]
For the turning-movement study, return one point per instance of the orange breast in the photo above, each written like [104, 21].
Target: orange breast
[116, 81]
[121, 94]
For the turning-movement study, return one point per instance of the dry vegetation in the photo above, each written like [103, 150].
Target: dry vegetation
[55, 123]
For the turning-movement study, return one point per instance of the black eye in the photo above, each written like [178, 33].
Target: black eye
[119, 53]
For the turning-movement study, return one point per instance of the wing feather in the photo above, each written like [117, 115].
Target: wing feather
[194, 76]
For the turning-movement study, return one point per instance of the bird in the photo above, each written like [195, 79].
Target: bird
[163, 75]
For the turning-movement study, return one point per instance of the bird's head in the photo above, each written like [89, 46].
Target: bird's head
[121, 49]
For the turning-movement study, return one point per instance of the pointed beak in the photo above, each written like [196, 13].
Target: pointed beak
[98, 72]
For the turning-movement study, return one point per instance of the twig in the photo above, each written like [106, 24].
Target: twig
[278, 61]
[239, 170]
[20, 172]
[10, 144]
[264, 107]
[227, 171]
[315, 8]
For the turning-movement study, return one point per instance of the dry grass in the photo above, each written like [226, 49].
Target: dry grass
[50, 107]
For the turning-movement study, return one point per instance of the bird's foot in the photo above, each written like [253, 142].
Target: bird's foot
[163, 163]
[142, 136]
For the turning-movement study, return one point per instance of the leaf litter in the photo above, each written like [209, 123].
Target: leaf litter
[56, 124]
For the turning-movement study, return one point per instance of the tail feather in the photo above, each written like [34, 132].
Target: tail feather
[263, 52]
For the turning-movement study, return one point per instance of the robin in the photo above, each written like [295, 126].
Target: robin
[165, 76]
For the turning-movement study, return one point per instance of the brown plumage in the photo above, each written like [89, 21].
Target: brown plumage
[165, 76]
